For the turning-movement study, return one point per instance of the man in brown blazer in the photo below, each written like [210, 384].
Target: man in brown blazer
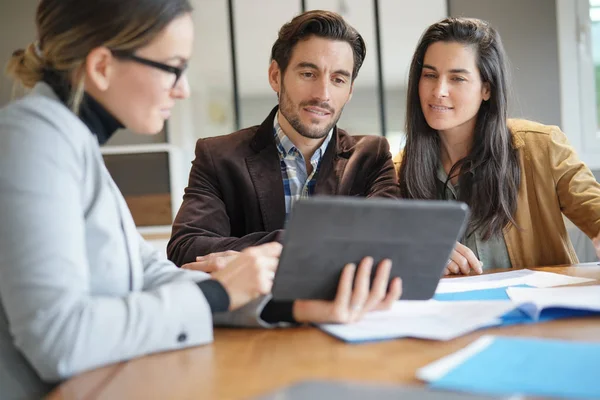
[242, 186]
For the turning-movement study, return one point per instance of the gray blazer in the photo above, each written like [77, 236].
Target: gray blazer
[79, 287]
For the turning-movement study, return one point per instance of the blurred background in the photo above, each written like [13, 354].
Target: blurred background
[553, 47]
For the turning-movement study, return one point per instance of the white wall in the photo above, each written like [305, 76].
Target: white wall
[529, 34]
[18, 31]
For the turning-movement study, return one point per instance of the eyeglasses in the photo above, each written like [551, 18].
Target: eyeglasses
[177, 71]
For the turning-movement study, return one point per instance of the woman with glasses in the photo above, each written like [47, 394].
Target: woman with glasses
[518, 177]
[79, 287]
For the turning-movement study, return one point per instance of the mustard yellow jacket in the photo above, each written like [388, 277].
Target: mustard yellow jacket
[553, 182]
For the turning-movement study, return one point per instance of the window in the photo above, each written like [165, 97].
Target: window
[595, 50]
[578, 30]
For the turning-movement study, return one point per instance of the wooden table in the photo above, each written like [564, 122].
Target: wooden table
[243, 363]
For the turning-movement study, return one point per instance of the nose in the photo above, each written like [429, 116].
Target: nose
[441, 88]
[321, 90]
[182, 88]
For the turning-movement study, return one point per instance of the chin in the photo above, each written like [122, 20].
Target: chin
[150, 128]
[439, 125]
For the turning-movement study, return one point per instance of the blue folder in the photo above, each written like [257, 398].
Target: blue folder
[515, 316]
[482, 294]
[534, 367]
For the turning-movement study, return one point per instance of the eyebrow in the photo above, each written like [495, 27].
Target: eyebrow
[342, 72]
[454, 71]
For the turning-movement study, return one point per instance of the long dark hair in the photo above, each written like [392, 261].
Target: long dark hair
[489, 176]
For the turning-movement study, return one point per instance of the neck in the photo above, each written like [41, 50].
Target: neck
[98, 119]
[100, 122]
[456, 143]
[306, 146]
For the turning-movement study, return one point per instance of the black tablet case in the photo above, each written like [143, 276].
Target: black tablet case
[325, 233]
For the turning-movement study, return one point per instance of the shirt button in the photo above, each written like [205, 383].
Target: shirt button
[182, 337]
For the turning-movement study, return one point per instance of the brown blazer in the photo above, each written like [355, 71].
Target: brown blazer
[553, 182]
[235, 197]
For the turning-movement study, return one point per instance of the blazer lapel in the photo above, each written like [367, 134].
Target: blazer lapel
[265, 171]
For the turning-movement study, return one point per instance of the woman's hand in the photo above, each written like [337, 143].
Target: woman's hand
[249, 274]
[463, 261]
[351, 304]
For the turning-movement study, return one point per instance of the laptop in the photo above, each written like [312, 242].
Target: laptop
[346, 390]
[326, 233]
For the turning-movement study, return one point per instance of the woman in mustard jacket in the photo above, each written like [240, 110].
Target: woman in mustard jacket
[517, 176]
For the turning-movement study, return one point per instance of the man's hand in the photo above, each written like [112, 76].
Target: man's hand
[212, 262]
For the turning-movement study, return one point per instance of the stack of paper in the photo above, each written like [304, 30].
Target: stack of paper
[533, 301]
[536, 304]
[505, 366]
[506, 304]
[422, 319]
[505, 279]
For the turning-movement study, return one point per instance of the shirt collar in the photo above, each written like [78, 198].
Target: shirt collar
[442, 176]
[287, 148]
[97, 118]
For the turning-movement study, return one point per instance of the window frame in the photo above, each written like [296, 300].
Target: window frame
[577, 79]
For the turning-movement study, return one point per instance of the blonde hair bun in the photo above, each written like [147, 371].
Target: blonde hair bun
[25, 66]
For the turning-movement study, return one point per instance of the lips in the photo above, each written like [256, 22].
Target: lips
[321, 112]
[440, 108]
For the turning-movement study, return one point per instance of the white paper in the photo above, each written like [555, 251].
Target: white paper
[437, 320]
[538, 279]
[441, 367]
[534, 300]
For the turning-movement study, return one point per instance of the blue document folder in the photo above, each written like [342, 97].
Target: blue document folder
[482, 294]
[515, 316]
[534, 367]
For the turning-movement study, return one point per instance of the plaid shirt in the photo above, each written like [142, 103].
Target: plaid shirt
[296, 182]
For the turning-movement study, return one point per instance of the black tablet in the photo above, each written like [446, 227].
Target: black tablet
[326, 233]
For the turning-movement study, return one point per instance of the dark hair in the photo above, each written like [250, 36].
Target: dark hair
[489, 176]
[324, 24]
[68, 30]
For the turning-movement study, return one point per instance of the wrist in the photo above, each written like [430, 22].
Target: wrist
[300, 311]
[232, 301]
[216, 295]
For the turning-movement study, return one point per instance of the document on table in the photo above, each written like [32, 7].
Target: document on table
[528, 277]
[422, 319]
[534, 300]
[532, 367]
